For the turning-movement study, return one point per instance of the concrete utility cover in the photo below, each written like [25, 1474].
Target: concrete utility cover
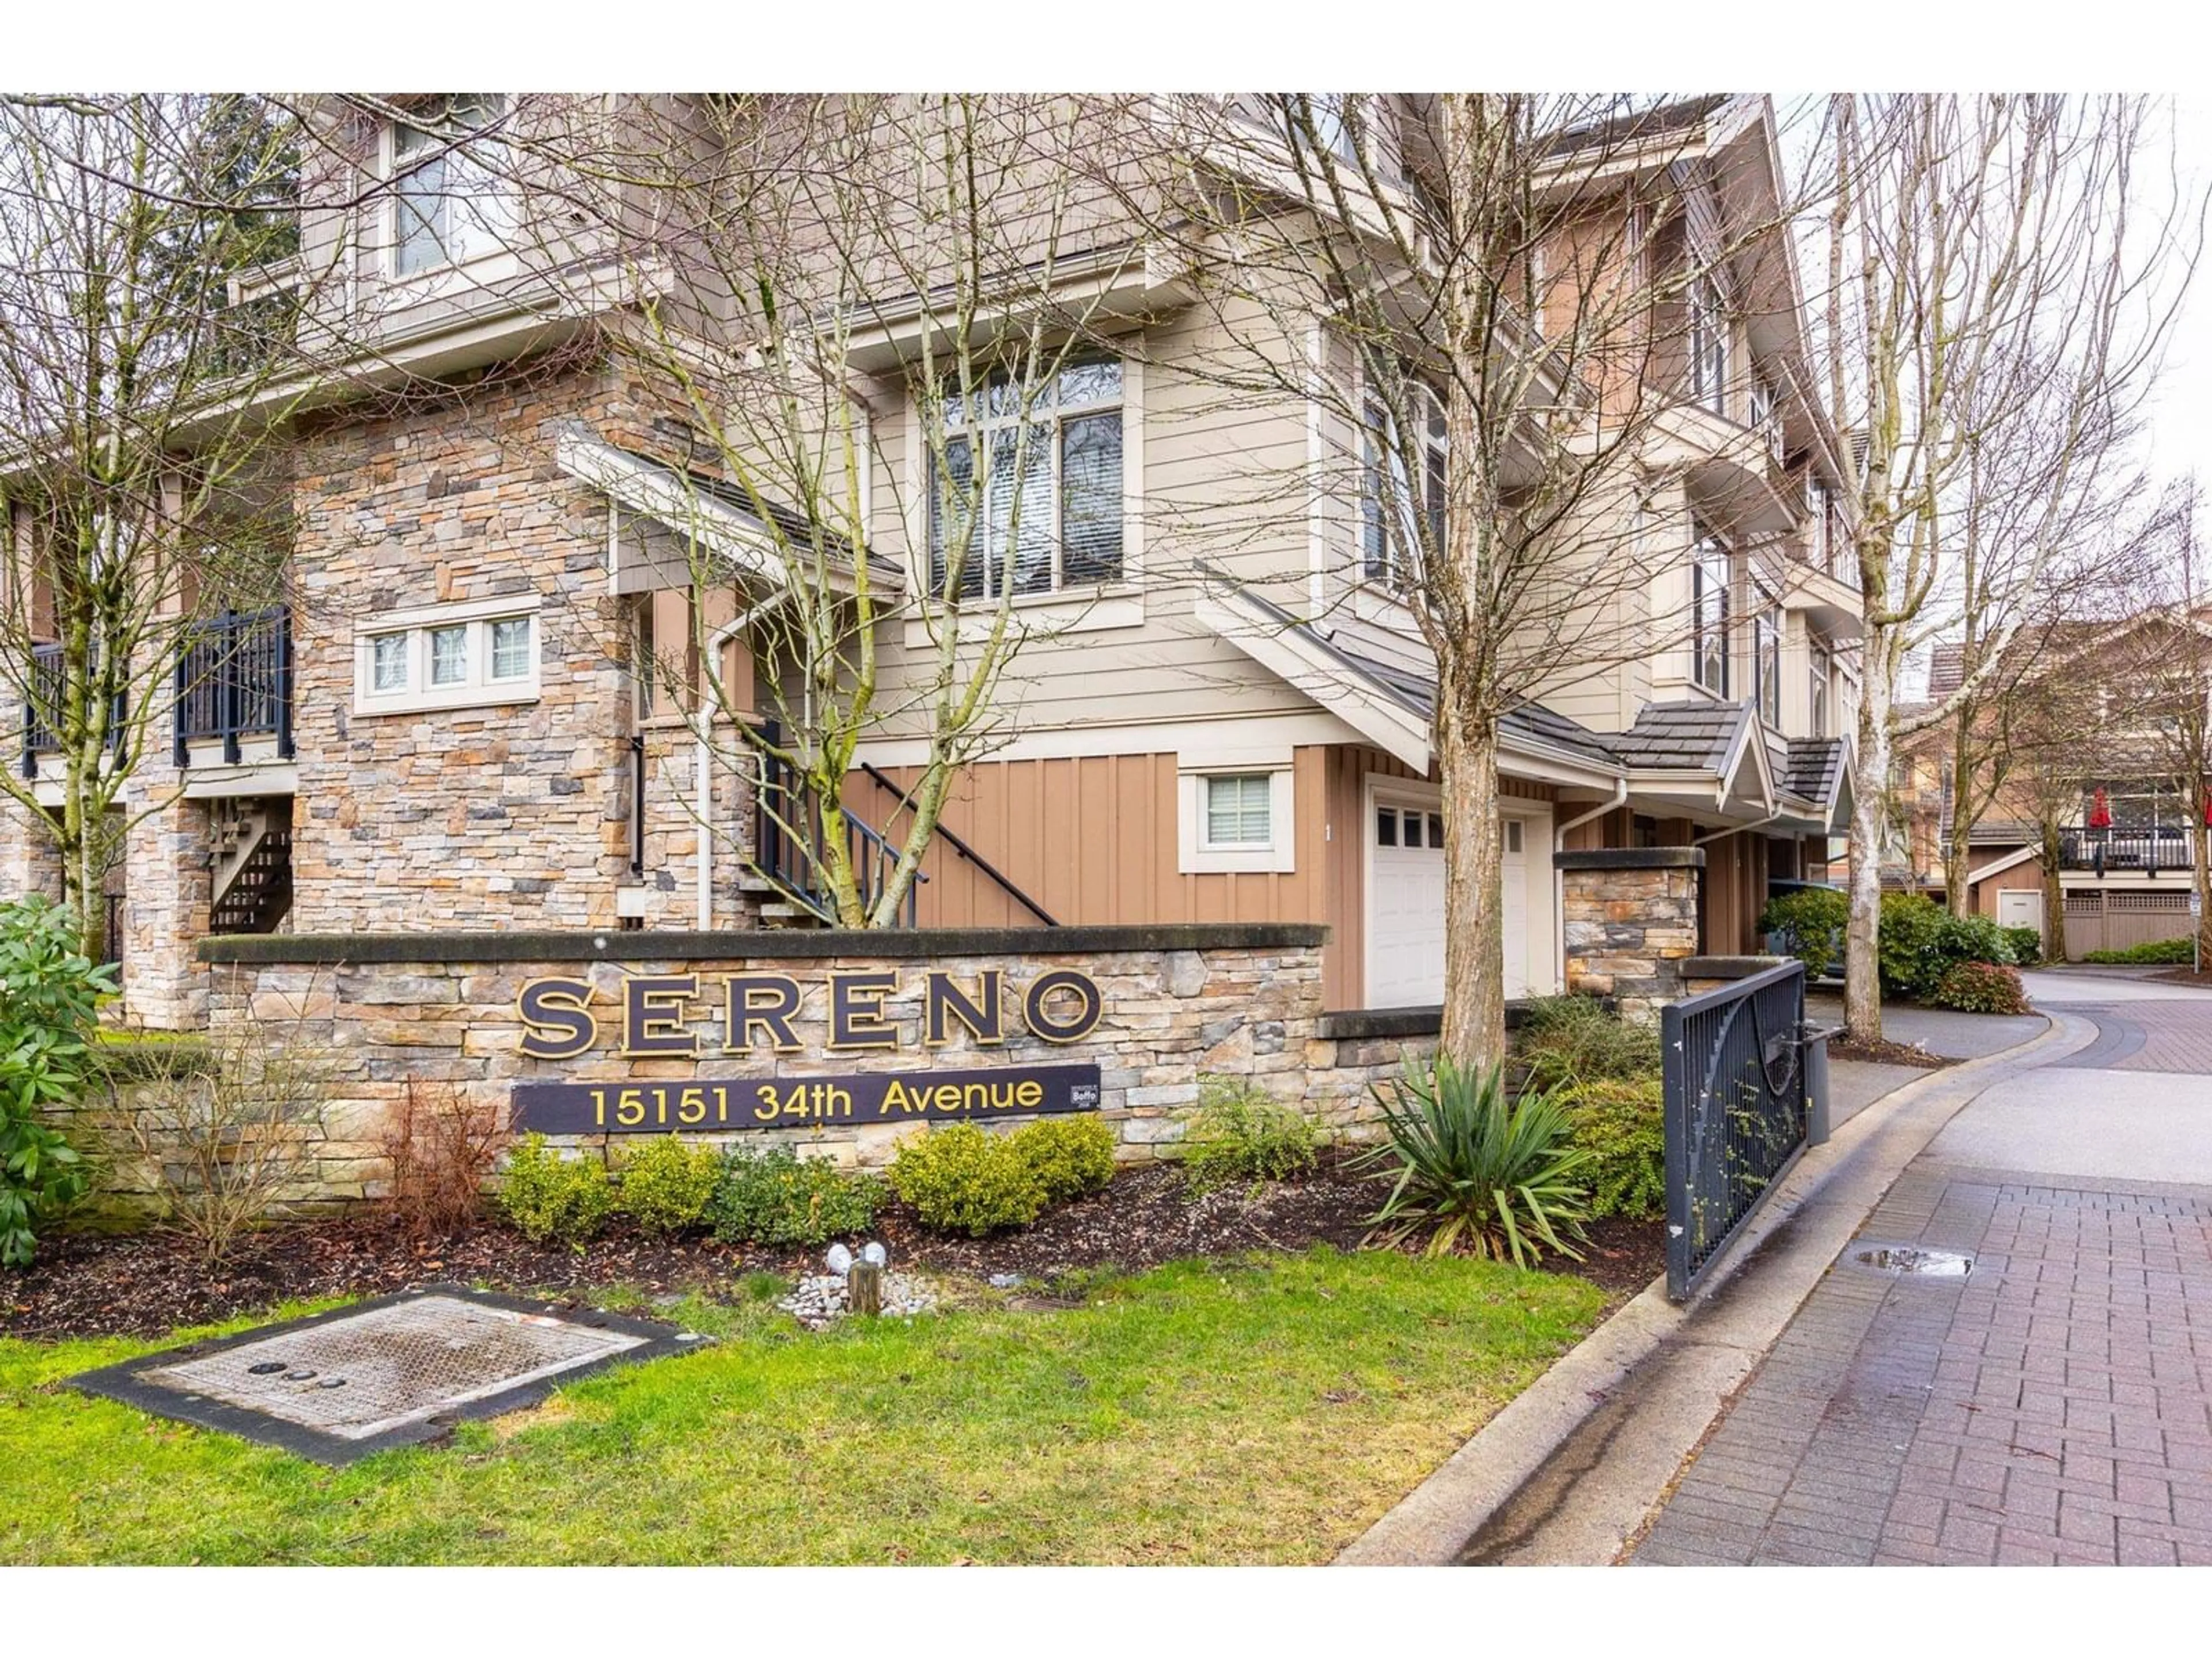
[393, 1371]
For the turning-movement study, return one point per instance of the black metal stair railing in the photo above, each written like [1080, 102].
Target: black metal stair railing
[233, 680]
[790, 849]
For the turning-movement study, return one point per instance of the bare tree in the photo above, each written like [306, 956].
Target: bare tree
[1491, 303]
[146, 372]
[825, 259]
[1997, 314]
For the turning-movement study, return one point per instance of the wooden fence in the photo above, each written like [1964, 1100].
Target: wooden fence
[2098, 920]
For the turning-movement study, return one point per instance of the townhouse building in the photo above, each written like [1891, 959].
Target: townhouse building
[2094, 818]
[1218, 716]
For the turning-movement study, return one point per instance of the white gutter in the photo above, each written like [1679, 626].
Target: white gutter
[1620, 800]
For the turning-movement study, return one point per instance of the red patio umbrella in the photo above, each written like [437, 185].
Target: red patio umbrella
[2101, 811]
[2208, 811]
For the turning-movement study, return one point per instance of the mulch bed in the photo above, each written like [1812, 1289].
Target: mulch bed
[2183, 977]
[1882, 1052]
[90, 1284]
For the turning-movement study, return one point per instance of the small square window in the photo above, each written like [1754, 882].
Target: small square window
[510, 648]
[388, 662]
[1413, 829]
[1386, 826]
[449, 656]
[1238, 811]
[1436, 830]
[1512, 834]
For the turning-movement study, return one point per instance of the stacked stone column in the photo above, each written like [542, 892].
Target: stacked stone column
[1631, 916]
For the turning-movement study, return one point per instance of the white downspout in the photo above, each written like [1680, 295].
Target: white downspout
[720, 637]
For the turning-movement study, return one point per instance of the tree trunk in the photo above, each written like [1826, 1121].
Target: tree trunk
[1956, 841]
[1862, 933]
[2054, 898]
[1474, 934]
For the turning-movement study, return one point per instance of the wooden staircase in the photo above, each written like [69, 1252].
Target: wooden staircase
[254, 887]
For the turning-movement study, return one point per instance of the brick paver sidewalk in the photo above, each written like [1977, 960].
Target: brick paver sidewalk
[2055, 1406]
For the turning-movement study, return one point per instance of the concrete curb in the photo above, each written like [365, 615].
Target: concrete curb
[1662, 1372]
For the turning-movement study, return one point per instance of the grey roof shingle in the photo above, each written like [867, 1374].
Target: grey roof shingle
[1814, 769]
[1691, 736]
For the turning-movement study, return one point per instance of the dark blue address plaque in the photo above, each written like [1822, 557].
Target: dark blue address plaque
[718, 1105]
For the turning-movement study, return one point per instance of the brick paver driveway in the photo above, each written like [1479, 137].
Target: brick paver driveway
[2053, 1405]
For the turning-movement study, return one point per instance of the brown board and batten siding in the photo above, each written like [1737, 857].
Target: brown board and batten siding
[1094, 841]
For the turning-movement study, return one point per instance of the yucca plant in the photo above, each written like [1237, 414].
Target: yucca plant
[1478, 1168]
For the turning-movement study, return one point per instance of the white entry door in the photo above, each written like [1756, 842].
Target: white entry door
[1406, 904]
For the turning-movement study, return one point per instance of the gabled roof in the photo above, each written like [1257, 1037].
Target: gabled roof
[1815, 767]
[717, 514]
[1390, 705]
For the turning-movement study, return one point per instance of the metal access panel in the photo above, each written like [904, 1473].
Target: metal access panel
[396, 1371]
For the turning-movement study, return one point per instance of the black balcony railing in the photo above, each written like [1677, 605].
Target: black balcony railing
[234, 681]
[2136, 851]
[41, 735]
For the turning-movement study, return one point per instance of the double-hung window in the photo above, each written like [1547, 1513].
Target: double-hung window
[1046, 512]
[1708, 612]
[1709, 346]
[1822, 669]
[1401, 524]
[449, 200]
[1766, 661]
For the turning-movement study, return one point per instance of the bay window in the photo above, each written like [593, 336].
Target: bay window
[1046, 514]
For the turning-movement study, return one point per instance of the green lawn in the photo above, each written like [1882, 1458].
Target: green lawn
[1261, 1411]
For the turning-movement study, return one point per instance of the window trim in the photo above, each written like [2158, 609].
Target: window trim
[1766, 657]
[478, 688]
[1199, 856]
[1711, 348]
[1382, 570]
[1706, 550]
[1820, 691]
[1063, 611]
[430, 277]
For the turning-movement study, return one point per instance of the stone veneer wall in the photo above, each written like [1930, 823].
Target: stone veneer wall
[1243, 1000]
[1630, 921]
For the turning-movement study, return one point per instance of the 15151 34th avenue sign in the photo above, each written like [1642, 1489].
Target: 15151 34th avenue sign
[677, 1017]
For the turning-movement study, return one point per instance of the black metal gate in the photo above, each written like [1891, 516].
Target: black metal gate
[1735, 1111]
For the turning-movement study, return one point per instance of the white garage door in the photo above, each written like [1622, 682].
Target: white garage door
[1406, 905]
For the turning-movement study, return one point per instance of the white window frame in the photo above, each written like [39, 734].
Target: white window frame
[478, 687]
[1816, 508]
[1821, 692]
[1711, 567]
[1196, 854]
[1062, 611]
[1709, 346]
[495, 214]
[1047, 421]
[1766, 657]
[1390, 569]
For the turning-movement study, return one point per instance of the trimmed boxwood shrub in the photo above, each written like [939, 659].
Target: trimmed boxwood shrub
[1809, 923]
[667, 1185]
[773, 1196]
[1070, 1156]
[1981, 988]
[963, 1179]
[553, 1199]
[1621, 1124]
